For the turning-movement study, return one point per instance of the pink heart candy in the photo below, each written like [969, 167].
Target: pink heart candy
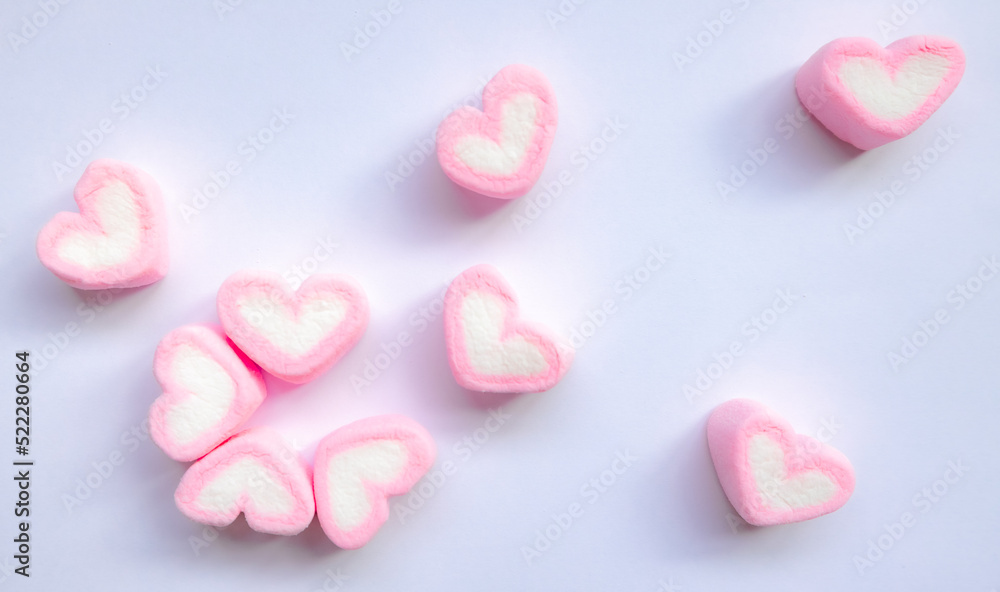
[869, 96]
[501, 150]
[255, 472]
[770, 474]
[209, 390]
[119, 238]
[294, 336]
[359, 466]
[490, 348]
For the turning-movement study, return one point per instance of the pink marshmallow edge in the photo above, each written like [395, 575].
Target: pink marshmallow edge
[249, 382]
[151, 261]
[486, 278]
[820, 90]
[326, 353]
[466, 121]
[267, 447]
[730, 427]
[421, 454]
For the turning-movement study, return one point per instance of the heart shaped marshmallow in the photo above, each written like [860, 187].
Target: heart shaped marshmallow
[490, 348]
[209, 390]
[359, 466]
[119, 238]
[294, 336]
[501, 150]
[869, 96]
[254, 472]
[770, 474]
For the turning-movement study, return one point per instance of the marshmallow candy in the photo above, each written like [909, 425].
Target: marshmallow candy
[209, 390]
[119, 238]
[294, 336]
[869, 96]
[770, 474]
[490, 348]
[501, 150]
[359, 466]
[255, 472]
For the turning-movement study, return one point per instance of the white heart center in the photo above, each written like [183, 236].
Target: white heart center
[210, 393]
[894, 98]
[294, 334]
[483, 316]
[517, 130]
[246, 476]
[377, 462]
[804, 490]
[118, 215]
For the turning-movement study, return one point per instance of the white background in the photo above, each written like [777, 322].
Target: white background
[324, 177]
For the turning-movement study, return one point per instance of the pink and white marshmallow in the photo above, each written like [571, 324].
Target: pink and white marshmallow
[869, 96]
[255, 472]
[490, 348]
[359, 466]
[294, 336]
[119, 238]
[501, 150]
[209, 390]
[770, 474]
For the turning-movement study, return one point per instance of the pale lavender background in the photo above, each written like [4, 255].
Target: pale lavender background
[665, 519]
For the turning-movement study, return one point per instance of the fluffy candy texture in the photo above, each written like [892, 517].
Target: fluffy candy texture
[255, 472]
[501, 150]
[359, 466]
[770, 474]
[209, 390]
[119, 238]
[294, 336]
[490, 348]
[869, 96]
